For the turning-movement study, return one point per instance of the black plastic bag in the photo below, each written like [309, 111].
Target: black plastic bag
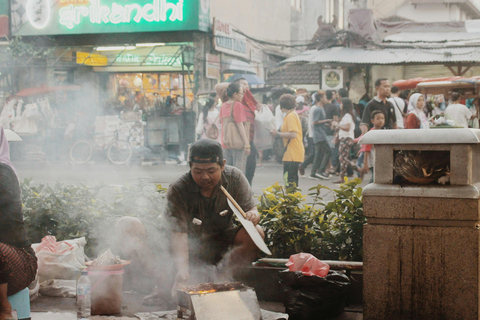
[313, 297]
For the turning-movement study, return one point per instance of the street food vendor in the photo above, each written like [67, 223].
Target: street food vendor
[201, 220]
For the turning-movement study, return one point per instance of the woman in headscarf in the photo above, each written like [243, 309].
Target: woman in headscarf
[416, 118]
[18, 264]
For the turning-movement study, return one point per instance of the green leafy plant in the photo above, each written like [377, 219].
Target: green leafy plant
[331, 230]
[73, 211]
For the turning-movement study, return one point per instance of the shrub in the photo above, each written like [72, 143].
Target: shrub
[331, 231]
[82, 211]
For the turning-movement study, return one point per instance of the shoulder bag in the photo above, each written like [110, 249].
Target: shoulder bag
[231, 136]
[212, 131]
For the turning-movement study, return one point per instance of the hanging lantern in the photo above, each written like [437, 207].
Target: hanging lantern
[137, 82]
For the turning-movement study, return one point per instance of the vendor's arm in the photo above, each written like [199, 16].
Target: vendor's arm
[179, 249]
[253, 215]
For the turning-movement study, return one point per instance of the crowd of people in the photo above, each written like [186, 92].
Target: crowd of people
[321, 129]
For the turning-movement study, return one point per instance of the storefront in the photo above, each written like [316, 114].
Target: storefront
[139, 56]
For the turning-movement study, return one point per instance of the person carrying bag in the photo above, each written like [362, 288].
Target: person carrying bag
[235, 128]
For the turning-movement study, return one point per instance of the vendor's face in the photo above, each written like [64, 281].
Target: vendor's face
[207, 175]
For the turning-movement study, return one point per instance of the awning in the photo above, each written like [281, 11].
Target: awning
[237, 66]
[387, 56]
[143, 59]
[251, 78]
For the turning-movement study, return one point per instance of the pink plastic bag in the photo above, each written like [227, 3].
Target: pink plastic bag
[308, 265]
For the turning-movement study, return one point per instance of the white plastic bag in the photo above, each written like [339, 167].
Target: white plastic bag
[265, 117]
[59, 260]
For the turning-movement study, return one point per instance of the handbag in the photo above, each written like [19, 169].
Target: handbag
[231, 136]
[212, 132]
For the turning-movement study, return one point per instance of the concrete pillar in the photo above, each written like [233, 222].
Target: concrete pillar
[421, 242]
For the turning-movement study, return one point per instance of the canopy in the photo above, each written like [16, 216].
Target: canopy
[251, 78]
[412, 83]
[43, 90]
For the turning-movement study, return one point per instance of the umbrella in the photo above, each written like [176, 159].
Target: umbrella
[251, 78]
[43, 90]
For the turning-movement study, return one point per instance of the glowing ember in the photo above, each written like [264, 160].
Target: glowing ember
[205, 288]
[202, 292]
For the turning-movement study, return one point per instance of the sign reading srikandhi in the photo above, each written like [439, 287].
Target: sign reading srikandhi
[60, 17]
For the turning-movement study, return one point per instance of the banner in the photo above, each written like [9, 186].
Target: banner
[46, 17]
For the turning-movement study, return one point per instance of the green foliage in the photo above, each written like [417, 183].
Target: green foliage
[72, 211]
[24, 52]
[331, 231]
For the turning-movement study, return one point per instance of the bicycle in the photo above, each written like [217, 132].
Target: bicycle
[118, 151]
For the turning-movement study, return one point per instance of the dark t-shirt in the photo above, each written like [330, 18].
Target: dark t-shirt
[387, 110]
[185, 202]
[330, 111]
[12, 229]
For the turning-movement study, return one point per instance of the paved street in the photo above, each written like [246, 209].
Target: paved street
[92, 174]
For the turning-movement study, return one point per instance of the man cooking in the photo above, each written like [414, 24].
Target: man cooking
[201, 220]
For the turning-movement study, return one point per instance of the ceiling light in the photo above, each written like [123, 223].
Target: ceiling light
[117, 48]
[159, 44]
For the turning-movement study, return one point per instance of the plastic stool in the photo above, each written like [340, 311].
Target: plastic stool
[20, 301]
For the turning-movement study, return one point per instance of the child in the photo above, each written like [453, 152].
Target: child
[378, 120]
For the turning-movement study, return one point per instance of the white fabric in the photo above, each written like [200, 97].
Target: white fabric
[399, 106]
[459, 113]
[347, 118]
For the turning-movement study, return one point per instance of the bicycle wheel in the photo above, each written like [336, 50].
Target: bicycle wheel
[119, 152]
[81, 152]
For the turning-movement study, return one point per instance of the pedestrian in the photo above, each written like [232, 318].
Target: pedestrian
[291, 133]
[380, 102]
[250, 107]
[322, 149]
[310, 150]
[332, 112]
[416, 118]
[399, 105]
[18, 264]
[458, 112]
[209, 121]
[234, 108]
[378, 121]
[346, 129]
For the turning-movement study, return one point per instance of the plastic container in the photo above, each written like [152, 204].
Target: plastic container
[83, 296]
[107, 288]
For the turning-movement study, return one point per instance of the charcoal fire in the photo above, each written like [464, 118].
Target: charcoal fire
[218, 301]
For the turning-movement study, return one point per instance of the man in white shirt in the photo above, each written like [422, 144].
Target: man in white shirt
[398, 105]
[458, 112]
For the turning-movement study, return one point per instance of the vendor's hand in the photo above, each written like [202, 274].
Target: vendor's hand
[253, 216]
[181, 281]
[274, 132]
[334, 124]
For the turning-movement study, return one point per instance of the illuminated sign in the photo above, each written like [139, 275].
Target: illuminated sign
[151, 60]
[49, 17]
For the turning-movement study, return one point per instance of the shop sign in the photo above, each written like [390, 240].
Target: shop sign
[46, 17]
[256, 55]
[4, 27]
[332, 79]
[151, 60]
[212, 67]
[88, 59]
[228, 41]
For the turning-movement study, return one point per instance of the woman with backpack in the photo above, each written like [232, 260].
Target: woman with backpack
[208, 125]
